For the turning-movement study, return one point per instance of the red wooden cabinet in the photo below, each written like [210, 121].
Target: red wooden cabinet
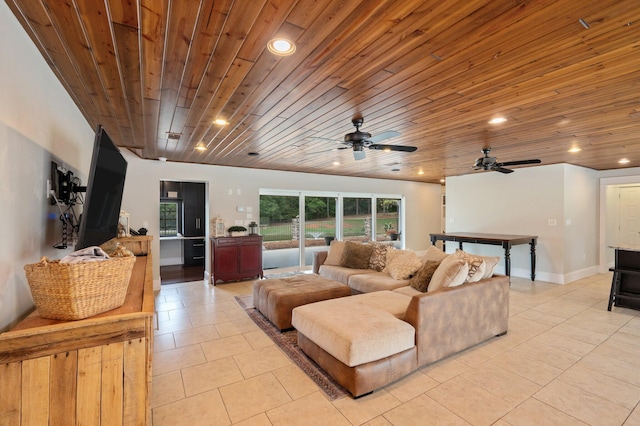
[236, 258]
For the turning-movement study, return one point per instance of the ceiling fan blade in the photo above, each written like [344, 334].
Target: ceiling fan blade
[520, 163]
[330, 150]
[502, 169]
[383, 136]
[402, 148]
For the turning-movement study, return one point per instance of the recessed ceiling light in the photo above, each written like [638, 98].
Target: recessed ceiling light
[420, 172]
[624, 161]
[201, 147]
[497, 120]
[575, 149]
[220, 122]
[336, 163]
[281, 46]
[442, 181]
[253, 154]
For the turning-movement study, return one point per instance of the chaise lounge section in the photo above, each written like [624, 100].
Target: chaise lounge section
[364, 344]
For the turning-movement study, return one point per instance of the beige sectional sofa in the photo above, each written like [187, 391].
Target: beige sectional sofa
[369, 340]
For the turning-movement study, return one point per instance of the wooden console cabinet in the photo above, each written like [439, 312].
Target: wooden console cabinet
[91, 371]
[236, 258]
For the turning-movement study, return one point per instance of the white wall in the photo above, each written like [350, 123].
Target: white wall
[142, 194]
[525, 203]
[580, 219]
[38, 123]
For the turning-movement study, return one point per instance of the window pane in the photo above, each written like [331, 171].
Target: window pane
[356, 225]
[280, 230]
[388, 219]
[168, 219]
[320, 224]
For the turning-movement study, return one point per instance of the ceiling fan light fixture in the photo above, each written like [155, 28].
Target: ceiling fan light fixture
[281, 46]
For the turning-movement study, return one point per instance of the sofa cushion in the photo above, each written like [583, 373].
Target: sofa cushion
[402, 264]
[407, 291]
[340, 273]
[374, 281]
[335, 253]
[451, 272]
[434, 253]
[378, 259]
[421, 279]
[477, 266]
[394, 303]
[356, 255]
[354, 333]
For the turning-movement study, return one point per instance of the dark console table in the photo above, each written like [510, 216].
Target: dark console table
[625, 285]
[506, 241]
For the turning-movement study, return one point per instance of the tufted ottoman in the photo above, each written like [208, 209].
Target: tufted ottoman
[276, 298]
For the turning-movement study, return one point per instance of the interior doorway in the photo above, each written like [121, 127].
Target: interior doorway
[183, 230]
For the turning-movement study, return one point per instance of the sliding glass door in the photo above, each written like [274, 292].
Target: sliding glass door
[319, 225]
[356, 224]
[294, 225]
[280, 230]
[388, 220]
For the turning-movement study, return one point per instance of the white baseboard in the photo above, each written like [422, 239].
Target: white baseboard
[556, 278]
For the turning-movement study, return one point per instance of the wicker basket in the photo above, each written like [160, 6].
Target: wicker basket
[73, 291]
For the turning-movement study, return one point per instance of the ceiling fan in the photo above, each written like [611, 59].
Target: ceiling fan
[359, 140]
[491, 163]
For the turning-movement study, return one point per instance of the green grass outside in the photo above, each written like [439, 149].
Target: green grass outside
[353, 226]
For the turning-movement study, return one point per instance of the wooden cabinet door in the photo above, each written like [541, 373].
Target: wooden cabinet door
[226, 261]
[250, 258]
[193, 195]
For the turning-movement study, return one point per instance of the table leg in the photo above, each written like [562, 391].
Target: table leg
[533, 260]
[507, 260]
[612, 293]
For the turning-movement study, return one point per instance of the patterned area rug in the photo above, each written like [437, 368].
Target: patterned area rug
[288, 342]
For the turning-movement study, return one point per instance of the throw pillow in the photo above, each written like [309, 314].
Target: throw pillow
[403, 265]
[378, 258]
[392, 253]
[477, 266]
[356, 255]
[434, 253]
[335, 253]
[452, 272]
[491, 262]
[420, 281]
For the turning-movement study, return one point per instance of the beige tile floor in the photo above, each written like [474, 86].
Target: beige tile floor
[566, 360]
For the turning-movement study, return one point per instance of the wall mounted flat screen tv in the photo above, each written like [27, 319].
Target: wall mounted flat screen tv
[101, 210]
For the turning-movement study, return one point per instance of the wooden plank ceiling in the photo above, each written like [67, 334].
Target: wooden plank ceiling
[156, 73]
